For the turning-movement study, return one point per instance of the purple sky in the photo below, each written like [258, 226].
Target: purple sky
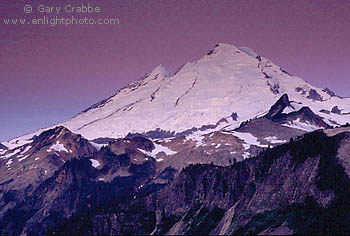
[48, 74]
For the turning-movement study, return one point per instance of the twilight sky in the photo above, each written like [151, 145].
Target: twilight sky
[50, 73]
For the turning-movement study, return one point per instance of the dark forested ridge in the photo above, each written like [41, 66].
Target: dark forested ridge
[298, 187]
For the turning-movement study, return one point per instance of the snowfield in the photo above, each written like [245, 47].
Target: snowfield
[158, 149]
[95, 163]
[58, 147]
[297, 124]
[248, 140]
[274, 140]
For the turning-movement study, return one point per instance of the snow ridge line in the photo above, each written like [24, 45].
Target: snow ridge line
[188, 90]
[121, 108]
[153, 95]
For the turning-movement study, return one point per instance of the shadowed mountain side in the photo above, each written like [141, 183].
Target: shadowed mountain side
[265, 194]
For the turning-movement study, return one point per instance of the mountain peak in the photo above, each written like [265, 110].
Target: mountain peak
[223, 48]
[249, 51]
[161, 71]
[277, 109]
[226, 46]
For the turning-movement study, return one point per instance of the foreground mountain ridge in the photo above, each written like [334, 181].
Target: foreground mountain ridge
[267, 194]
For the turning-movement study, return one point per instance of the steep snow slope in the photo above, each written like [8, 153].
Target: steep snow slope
[228, 79]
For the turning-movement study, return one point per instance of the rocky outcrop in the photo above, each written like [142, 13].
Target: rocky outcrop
[276, 111]
[314, 95]
[336, 110]
[3, 147]
[304, 115]
[330, 92]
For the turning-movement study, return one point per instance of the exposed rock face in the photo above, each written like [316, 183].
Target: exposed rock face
[277, 109]
[330, 92]
[3, 147]
[314, 95]
[305, 114]
[290, 177]
[308, 177]
[325, 111]
[234, 116]
[281, 123]
[336, 110]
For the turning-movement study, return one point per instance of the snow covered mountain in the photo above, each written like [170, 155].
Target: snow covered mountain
[227, 80]
[230, 83]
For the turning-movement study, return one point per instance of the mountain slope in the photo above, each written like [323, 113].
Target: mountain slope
[24, 168]
[227, 80]
[307, 178]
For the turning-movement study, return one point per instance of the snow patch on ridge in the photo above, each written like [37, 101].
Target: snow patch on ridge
[9, 162]
[95, 163]
[297, 124]
[274, 140]
[26, 149]
[10, 154]
[21, 141]
[248, 51]
[197, 138]
[158, 149]
[248, 140]
[98, 146]
[57, 147]
[23, 158]
[288, 110]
